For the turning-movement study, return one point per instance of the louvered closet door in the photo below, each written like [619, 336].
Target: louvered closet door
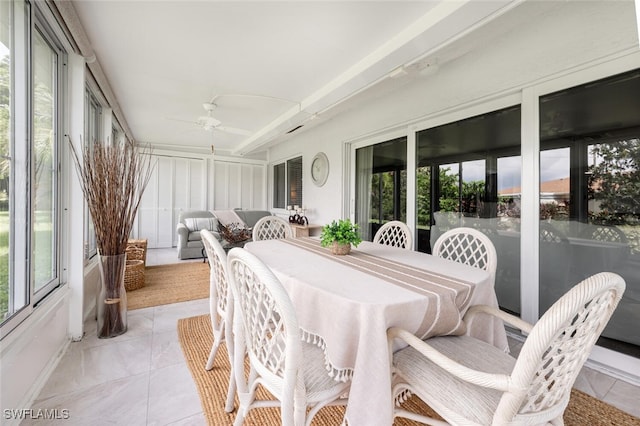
[239, 185]
[190, 184]
[177, 184]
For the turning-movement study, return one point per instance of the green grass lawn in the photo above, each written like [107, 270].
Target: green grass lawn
[4, 264]
[44, 259]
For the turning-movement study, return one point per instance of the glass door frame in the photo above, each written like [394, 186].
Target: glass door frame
[349, 160]
[623, 364]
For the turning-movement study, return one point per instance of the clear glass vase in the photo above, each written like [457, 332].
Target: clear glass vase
[111, 303]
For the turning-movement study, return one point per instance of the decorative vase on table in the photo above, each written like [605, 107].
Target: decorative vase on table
[339, 235]
[111, 303]
[340, 249]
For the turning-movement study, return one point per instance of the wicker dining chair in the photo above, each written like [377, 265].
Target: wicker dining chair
[271, 228]
[266, 328]
[394, 233]
[468, 246]
[220, 308]
[607, 233]
[467, 381]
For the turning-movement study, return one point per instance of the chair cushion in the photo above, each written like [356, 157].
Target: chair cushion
[317, 380]
[200, 223]
[318, 383]
[456, 400]
[194, 236]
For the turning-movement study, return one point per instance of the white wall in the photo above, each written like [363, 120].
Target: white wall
[32, 350]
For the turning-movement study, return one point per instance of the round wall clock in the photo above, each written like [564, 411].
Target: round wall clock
[320, 168]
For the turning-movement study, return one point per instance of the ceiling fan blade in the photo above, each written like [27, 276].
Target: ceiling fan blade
[208, 121]
[234, 130]
[182, 121]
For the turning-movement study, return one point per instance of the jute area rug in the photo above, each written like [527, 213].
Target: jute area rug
[196, 338]
[165, 284]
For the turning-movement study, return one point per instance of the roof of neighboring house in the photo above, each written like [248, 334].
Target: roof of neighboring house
[556, 186]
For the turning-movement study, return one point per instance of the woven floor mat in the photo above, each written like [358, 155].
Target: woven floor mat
[165, 284]
[196, 338]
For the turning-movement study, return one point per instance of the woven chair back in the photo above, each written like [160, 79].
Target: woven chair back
[219, 287]
[269, 324]
[394, 233]
[271, 228]
[557, 347]
[468, 246]
[606, 233]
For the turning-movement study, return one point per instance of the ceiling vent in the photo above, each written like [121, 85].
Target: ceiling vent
[295, 128]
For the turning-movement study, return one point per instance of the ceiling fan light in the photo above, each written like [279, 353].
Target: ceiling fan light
[208, 106]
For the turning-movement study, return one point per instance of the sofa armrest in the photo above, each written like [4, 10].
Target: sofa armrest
[183, 234]
[217, 235]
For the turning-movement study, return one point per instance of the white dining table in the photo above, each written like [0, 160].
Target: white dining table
[345, 304]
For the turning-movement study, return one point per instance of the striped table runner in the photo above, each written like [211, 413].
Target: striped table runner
[442, 289]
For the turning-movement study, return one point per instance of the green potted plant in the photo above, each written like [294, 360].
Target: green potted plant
[339, 235]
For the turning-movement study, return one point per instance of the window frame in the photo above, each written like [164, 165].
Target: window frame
[92, 131]
[40, 26]
[27, 20]
[282, 190]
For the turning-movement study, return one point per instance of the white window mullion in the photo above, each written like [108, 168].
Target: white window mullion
[530, 202]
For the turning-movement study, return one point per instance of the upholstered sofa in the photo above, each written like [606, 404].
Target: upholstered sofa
[189, 226]
[191, 223]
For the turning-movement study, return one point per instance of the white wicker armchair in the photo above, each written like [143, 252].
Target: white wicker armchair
[470, 382]
[394, 233]
[266, 328]
[468, 246]
[220, 308]
[271, 228]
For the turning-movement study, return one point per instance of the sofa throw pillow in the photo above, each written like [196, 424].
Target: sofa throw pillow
[200, 223]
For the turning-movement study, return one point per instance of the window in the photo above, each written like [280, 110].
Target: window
[287, 183]
[44, 153]
[93, 111]
[30, 79]
[9, 301]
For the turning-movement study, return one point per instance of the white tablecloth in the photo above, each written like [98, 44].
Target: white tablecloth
[348, 310]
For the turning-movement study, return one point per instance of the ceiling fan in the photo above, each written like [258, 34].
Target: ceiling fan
[209, 122]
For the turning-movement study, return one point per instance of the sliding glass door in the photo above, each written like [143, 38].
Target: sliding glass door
[590, 196]
[381, 185]
[468, 174]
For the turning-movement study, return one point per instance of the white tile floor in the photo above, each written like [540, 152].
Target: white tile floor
[141, 378]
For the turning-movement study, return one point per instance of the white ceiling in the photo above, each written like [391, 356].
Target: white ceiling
[268, 66]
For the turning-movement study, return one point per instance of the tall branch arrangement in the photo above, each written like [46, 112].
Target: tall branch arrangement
[113, 178]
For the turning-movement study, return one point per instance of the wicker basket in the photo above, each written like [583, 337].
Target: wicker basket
[340, 249]
[134, 275]
[138, 244]
[135, 253]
